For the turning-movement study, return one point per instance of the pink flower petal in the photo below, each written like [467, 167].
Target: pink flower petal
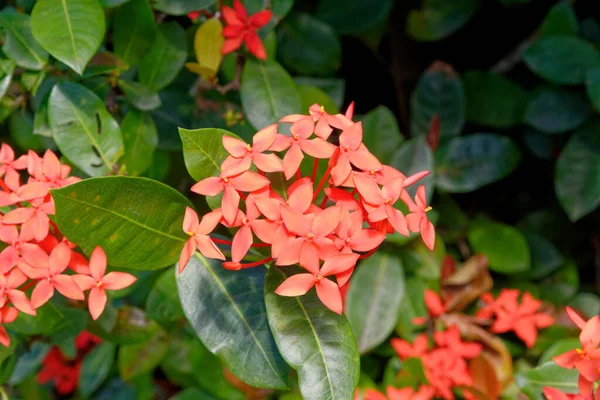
[329, 294]
[296, 285]
[97, 302]
[117, 280]
[68, 288]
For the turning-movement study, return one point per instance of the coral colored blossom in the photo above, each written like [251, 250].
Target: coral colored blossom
[241, 28]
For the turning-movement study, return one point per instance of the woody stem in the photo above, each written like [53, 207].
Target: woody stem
[323, 180]
[257, 263]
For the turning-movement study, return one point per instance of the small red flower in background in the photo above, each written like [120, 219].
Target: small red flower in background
[193, 15]
[523, 318]
[242, 28]
[554, 394]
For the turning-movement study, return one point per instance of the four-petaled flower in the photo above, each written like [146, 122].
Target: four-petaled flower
[242, 28]
[199, 239]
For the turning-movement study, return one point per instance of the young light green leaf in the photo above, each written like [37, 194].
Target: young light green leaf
[134, 30]
[557, 110]
[121, 214]
[227, 311]
[20, 44]
[140, 139]
[95, 367]
[83, 129]
[71, 31]
[381, 133]
[314, 340]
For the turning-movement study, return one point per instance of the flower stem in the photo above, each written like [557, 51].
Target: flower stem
[229, 243]
[314, 171]
[298, 176]
[257, 263]
[322, 183]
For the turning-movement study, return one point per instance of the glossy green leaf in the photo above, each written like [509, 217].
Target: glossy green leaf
[166, 57]
[181, 7]
[112, 3]
[372, 306]
[137, 221]
[139, 95]
[312, 94]
[83, 129]
[560, 20]
[161, 164]
[586, 303]
[557, 111]
[413, 305]
[532, 381]
[381, 133]
[71, 31]
[29, 363]
[227, 311]
[203, 151]
[545, 257]
[414, 156]
[44, 323]
[504, 246]
[562, 59]
[314, 340]
[137, 359]
[440, 93]
[268, 93]
[561, 286]
[95, 367]
[130, 326]
[175, 112]
[353, 16]
[560, 347]
[440, 18]
[19, 43]
[32, 80]
[592, 86]
[306, 45]
[192, 394]
[7, 68]
[494, 100]
[163, 303]
[334, 87]
[577, 175]
[140, 139]
[134, 30]
[468, 163]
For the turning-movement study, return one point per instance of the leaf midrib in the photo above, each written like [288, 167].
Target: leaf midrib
[24, 43]
[203, 151]
[269, 91]
[71, 35]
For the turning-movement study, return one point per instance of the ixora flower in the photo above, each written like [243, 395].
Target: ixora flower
[242, 28]
[323, 230]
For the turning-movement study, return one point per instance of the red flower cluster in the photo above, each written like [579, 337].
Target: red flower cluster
[524, 318]
[62, 371]
[242, 28]
[407, 393]
[36, 252]
[445, 364]
[351, 221]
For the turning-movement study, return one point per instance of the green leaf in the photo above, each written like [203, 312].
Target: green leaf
[306, 45]
[590, 29]
[29, 363]
[139, 95]
[314, 340]
[95, 367]
[41, 125]
[20, 44]
[268, 93]
[140, 139]
[560, 20]
[577, 175]
[279, 8]
[562, 59]
[592, 86]
[557, 111]
[557, 348]
[134, 30]
[373, 305]
[112, 3]
[494, 100]
[413, 305]
[439, 92]
[138, 359]
[587, 303]
[312, 94]
[175, 112]
[203, 151]
[72, 324]
[532, 381]
[71, 31]
[440, 18]
[381, 133]
[21, 131]
[166, 57]
[44, 323]
[130, 326]
[353, 16]
[163, 303]
[545, 257]
[414, 156]
[227, 311]
[192, 394]
[465, 164]
[504, 246]
[181, 7]
[136, 221]
[334, 87]
[32, 80]
[83, 129]
[562, 286]
[6, 71]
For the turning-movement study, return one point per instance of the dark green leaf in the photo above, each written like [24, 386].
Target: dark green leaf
[116, 389]
[279, 8]
[440, 18]
[140, 139]
[372, 305]
[19, 43]
[163, 303]
[6, 71]
[139, 95]
[415, 156]
[134, 30]
[504, 246]
[353, 16]
[268, 93]
[181, 7]
[586, 303]
[314, 340]
[70, 31]
[95, 367]
[440, 93]
[592, 86]
[161, 163]
[166, 57]
[310, 95]
[176, 112]
[45, 322]
[227, 311]
[83, 129]
[494, 100]
[413, 305]
[29, 363]
[590, 29]
[541, 145]
[545, 258]
[562, 59]
[130, 326]
[562, 286]
[468, 163]
[112, 3]
[557, 111]
[577, 176]
[532, 382]
[72, 324]
[192, 394]
[21, 131]
[137, 221]
[381, 134]
[560, 20]
[141, 358]
[305, 45]
[334, 87]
